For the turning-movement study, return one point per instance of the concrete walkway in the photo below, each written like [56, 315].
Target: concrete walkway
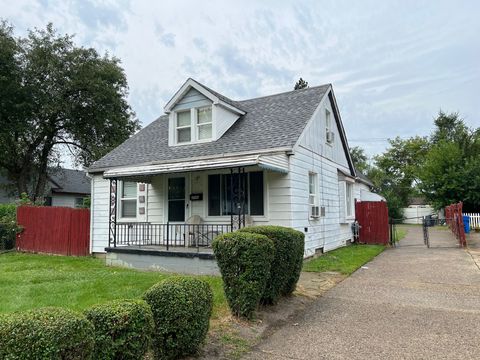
[411, 303]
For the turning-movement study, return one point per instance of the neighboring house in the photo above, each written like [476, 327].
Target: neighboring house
[212, 164]
[416, 210]
[65, 187]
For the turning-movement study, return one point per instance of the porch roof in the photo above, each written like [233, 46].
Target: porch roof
[277, 162]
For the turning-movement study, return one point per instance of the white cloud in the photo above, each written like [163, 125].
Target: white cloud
[393, 64]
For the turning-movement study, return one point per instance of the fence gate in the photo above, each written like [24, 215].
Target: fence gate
[372, 217]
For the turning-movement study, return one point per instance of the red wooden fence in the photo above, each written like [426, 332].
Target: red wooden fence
[54, 230]
[372, 216]
[454, 218]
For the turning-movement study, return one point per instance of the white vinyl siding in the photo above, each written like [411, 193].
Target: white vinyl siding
[99, 213]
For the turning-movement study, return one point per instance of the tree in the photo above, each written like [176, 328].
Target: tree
[56, 94]
[400, 165]
[451, 171]
[359, 158]
[300, 84]
[395, 172]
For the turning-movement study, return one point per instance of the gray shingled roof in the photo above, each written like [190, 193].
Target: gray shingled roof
[70, 181]
[364, 178]
[270, 122]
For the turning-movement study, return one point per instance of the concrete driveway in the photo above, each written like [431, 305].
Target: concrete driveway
[411, 303]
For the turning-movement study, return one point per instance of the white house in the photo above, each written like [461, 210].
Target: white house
[211, 164]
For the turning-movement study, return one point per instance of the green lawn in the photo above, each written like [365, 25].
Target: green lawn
[344, 260]
[31, 281]
[400, 233]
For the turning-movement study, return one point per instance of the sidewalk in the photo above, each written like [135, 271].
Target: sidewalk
[410, 303]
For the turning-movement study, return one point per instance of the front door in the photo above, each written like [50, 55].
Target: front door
[176, 199]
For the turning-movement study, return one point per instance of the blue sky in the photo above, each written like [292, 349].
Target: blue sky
[393, 64]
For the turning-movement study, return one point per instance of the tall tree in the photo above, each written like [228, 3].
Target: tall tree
[395, 174]
[451, 171]
[56, 94]
[359, 158]
[300, 84]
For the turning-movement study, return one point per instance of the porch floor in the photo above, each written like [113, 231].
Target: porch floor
[161, 250]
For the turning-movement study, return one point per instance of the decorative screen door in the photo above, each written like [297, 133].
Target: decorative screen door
[176, 199]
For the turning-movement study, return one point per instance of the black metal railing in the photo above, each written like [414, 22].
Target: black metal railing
[150, 234]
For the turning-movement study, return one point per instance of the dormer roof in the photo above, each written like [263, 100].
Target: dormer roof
[215, 97]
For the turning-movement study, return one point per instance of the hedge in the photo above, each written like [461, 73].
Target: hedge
[244, 260]
[287, 263]
[181, 308]
[48, 333]
[8, 226]
[123, 329]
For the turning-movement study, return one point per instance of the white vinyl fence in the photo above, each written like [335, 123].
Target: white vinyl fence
[414, 215]
[474, 220]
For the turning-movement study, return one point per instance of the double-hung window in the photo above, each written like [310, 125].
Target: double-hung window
[313, 194]
[204, 123]
[128, 200]
[349, 199]
[328, 127]
[184, 127]
[221, 187]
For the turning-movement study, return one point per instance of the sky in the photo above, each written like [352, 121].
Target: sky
[393, 64]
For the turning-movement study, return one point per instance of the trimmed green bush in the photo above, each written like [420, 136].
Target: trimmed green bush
[123, 329]
[181, 308]
[287, 263]
[8, 226]
[48, 333]
[244, 260]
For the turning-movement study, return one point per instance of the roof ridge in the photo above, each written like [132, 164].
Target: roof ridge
[285, 92]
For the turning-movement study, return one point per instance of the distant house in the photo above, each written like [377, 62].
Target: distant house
[211, 165]
[65, 187]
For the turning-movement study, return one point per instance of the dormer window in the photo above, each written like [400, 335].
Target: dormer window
[204, 123]
[184, 127]
[198, 115]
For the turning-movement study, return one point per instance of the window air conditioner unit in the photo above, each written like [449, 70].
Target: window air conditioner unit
[315, 211]
[330, 136]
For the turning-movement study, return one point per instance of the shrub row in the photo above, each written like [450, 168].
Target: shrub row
[258, 265]
[49, 333]
[175, 315]
[181, 311]
[123, 329]
[244, 260]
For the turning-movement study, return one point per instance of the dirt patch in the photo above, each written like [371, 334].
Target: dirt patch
[230, 338]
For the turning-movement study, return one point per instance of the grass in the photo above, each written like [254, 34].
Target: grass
[400, 233]
[344, 260]
[30, 281]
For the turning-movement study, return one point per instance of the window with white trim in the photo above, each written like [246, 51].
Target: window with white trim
[183, 127]
[220, 192]
[204, 123]
[349, 199]
[128, 199]
[313, 194]
[328, 127]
